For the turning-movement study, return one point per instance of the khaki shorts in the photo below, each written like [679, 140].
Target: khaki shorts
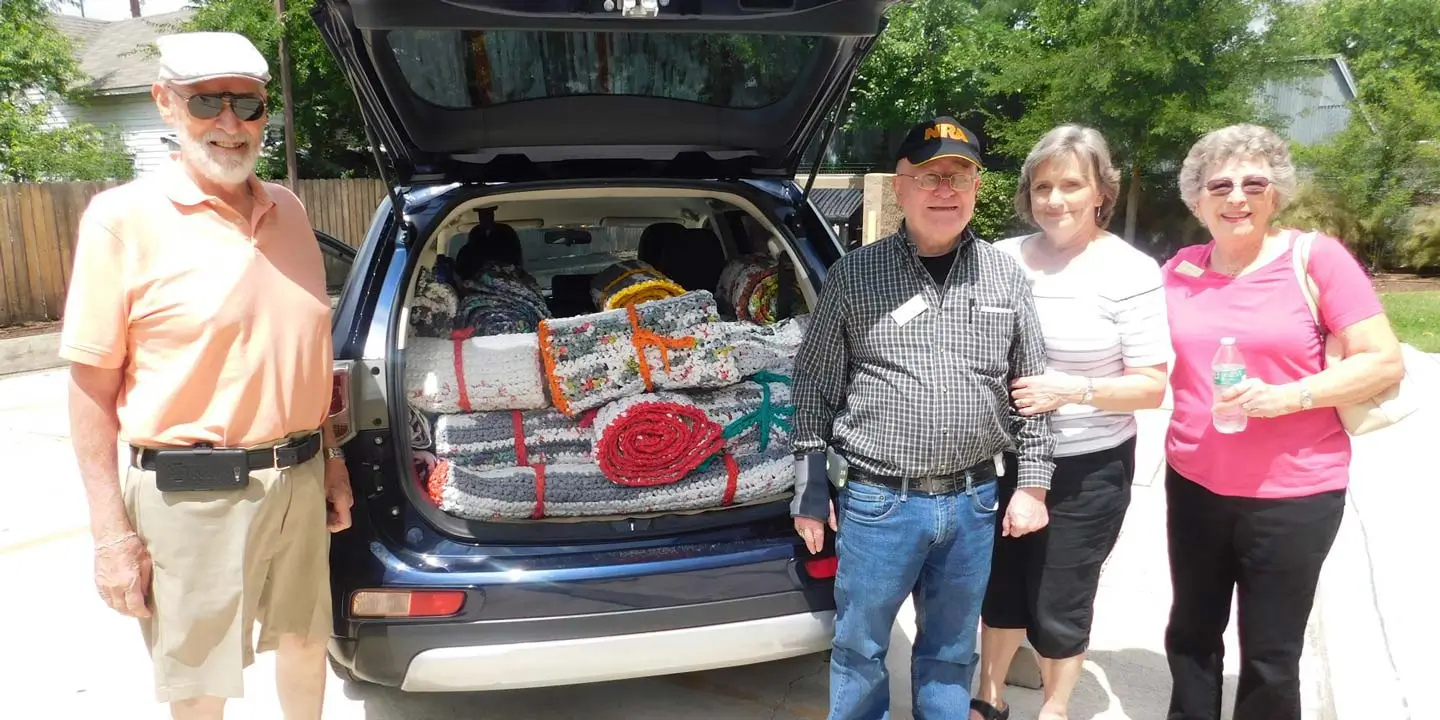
[222, 561]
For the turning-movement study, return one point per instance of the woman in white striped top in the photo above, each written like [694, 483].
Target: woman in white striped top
[1102, 309]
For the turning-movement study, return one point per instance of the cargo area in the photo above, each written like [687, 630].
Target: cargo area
[574, 358]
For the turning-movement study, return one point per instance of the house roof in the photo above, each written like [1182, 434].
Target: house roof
[837, 204]
[113, 54]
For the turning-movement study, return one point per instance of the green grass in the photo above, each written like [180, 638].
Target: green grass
[1416, 318]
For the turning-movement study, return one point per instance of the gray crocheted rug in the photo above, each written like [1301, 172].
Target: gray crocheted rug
[581, 490]
[487, 441]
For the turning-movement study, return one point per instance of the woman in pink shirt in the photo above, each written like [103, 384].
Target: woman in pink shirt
[1259, 508]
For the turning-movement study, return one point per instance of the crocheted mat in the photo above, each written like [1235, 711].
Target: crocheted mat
[749, 286]
[497, 372]
[582, 490]
[499, 300]
[495, 440]
[676, 343]
[631, 282]
[653, 439]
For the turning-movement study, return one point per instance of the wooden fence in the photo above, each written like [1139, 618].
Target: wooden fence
[38, 223]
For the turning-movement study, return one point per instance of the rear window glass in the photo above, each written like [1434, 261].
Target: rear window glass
[479, 68]
[608, 245]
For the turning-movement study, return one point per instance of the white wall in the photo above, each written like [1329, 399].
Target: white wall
[139, 122]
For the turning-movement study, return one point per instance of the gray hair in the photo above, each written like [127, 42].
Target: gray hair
[1248, 142]
[1088, 147]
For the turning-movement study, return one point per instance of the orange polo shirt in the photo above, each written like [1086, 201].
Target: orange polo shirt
[221, 323]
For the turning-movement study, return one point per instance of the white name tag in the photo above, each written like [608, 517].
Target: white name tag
[993, 309]
[1187, 268]
[910, 310]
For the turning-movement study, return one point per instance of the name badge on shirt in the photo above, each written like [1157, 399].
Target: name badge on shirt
[1187, 268]
[910, 310]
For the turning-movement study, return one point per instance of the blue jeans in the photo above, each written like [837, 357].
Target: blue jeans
[889, 546]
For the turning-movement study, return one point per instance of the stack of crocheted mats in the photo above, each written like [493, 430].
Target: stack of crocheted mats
[676, 343]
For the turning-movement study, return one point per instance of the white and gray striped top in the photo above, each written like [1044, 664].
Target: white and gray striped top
[1101, 313]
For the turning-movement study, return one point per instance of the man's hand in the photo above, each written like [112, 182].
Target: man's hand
[338, 497]
[1026, 513]
[122, 575]
[813, 531]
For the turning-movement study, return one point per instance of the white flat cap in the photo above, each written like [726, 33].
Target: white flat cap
[193, 57]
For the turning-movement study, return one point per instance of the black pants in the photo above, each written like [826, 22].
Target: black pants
[1269, 554]
[1045, 582]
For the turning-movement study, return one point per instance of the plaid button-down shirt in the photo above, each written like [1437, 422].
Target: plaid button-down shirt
[923, 395]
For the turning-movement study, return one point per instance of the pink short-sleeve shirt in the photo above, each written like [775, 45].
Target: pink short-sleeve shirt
[1265, 311]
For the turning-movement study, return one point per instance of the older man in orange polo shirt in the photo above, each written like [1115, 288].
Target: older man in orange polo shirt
[198, 329]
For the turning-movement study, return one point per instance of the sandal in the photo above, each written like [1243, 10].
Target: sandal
[988, 711]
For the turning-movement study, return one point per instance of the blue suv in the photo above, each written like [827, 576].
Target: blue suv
[570, 135]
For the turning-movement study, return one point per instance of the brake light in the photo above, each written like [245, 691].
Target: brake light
[822, 568]
[341, 414]
[406, 603]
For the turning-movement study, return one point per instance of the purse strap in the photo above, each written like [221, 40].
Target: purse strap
[1300, 258]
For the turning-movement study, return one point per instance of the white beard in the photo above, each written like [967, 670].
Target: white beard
[221, 168]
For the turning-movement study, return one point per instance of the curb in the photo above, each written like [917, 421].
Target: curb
[29, 353]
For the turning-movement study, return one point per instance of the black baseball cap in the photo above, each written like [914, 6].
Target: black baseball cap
[939, 138]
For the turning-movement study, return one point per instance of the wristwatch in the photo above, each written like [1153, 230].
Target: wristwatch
[1307, 400]
[334, 453]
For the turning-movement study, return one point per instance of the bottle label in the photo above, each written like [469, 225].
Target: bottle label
[1225, 377]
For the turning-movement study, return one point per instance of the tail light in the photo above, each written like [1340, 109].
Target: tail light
[406, 603]
[822, 568]
[342, 413]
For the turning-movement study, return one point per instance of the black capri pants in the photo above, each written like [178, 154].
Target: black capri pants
[1045, 582]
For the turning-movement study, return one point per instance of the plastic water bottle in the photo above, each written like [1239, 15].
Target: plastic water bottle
[1229, 369]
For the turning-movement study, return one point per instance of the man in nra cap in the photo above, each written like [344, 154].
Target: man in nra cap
[197, 326]
[903, 382]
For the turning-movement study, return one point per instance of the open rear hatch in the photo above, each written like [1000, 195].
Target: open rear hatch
[512, 90]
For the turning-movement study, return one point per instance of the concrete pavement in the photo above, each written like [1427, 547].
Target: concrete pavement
[66, 655]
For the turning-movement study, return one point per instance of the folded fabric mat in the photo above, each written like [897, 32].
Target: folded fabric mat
[498, 372]
[675, 343]
[432, 311]
[749, 287]
[631, 282]
[582, 490]
[754, 415]
[495, 440]
[498, 300]
[653, 439]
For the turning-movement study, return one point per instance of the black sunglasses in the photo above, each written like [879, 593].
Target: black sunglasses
[204, 106]
[1250, 185]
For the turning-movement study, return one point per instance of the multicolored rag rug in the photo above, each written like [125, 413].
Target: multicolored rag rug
[432, 310]
[544, 491]
[496, 372]
[499, 300]
[631, 282]
[755, 415]
[653, 439]
[749, 287]
[676, 343]
[494, 440]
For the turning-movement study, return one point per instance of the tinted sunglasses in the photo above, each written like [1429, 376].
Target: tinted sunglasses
[1250, 185]
[205, 106]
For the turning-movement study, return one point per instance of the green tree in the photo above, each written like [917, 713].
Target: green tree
[37, 65]
[1151, 75]
[329, 135]
[1364, 184]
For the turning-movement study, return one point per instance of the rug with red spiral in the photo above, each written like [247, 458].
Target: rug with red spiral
[654, 439]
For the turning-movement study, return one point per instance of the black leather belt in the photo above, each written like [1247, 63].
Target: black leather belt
[288, 454]
[979, 474]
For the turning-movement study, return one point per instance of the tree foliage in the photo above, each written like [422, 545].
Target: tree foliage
[329, 135]
[37, 65]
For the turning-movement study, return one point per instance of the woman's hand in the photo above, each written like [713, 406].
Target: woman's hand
[1257, 398]
[1045, 393]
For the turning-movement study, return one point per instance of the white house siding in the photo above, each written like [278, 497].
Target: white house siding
[139, 123]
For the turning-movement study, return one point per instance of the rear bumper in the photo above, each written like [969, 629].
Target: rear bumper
[540, 652]
[617, 657]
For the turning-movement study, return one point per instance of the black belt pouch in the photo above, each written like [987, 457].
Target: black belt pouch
[201, 468]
